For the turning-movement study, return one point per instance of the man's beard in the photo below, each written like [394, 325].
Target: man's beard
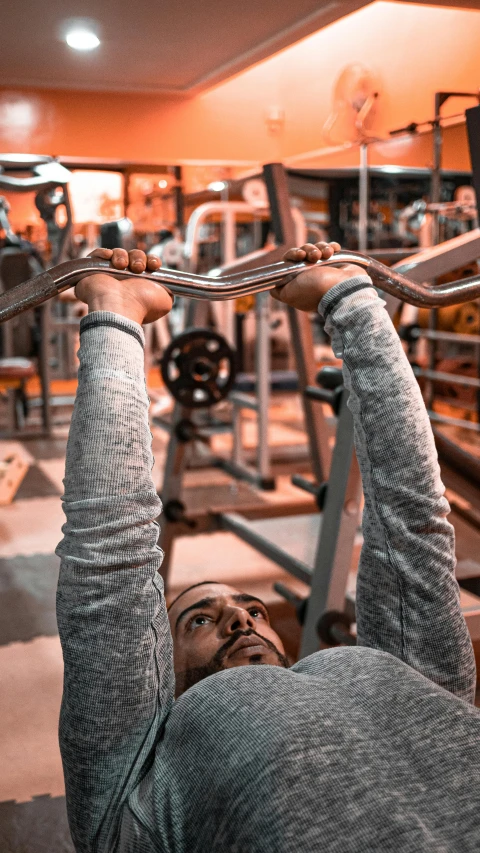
[191, 676]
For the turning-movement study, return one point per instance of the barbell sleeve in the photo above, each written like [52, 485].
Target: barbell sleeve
[48, 284]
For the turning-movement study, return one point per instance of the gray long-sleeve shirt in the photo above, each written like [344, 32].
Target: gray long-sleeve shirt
[351, 749]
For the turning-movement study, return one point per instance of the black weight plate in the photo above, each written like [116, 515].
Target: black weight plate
[198, 368]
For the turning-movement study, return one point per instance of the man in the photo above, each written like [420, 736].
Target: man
[351, 749]
[220, 629]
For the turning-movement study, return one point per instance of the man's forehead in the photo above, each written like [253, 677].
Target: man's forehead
[206, 590]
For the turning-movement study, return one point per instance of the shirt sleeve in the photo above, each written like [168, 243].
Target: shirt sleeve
[407, 600]
[113, 625]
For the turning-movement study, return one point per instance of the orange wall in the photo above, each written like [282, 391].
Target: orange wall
[414, 51]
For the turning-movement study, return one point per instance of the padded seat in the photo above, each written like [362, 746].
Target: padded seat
[17, 369]
[14, 373]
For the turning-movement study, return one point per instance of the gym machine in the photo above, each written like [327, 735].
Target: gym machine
[273, 200]
[446, 257]
[340, 498]
[430, 264]
[45, 177]
[194, 358]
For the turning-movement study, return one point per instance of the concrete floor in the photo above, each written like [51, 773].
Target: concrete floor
[32, 805]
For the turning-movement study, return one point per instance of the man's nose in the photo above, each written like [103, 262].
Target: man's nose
[238, 619]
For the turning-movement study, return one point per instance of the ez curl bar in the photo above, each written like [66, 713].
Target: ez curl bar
[31, 293]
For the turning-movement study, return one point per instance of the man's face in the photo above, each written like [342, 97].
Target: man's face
[216, 627]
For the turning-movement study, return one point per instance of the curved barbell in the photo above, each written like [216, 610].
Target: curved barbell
[48, 284]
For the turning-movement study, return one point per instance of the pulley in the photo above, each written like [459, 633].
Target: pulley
[198, 368]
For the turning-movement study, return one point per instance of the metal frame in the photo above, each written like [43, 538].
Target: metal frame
[329, 573]
[289, 228]
[340, 521]
[452, 337]
[427, 265]
[301, 333]
[259, 403]
[300, 325]
[338, 527]
[48, 173]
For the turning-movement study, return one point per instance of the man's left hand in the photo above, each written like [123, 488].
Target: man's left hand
[309, 287]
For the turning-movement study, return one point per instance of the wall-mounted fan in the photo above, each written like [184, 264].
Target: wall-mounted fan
[354, 96]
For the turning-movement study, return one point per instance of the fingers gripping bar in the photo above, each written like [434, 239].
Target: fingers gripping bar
[48, 284]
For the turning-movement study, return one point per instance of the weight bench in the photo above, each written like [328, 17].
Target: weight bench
[14, 373]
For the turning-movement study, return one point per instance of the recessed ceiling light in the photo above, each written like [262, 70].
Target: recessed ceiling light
[163, 184]
[82, 40]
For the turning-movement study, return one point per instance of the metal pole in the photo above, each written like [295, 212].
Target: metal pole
[363, 199]
[337, 536]
[229, 253]
[436, 193]
[316, 424]
[435, 187]
[178, 197]
[44, 366]
[262, 361]
[300, 325]
[171, 489]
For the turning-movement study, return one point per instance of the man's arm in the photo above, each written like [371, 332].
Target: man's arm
[407, 595]
[112, 620]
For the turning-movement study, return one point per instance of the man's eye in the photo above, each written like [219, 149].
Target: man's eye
[198, 621]
[256, 612]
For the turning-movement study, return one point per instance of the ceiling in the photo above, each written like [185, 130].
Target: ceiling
[174, 47]
[177, 47]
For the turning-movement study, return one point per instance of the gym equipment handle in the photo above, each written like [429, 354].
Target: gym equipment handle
[48, 284]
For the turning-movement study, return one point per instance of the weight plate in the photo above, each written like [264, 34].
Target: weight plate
[198, 368]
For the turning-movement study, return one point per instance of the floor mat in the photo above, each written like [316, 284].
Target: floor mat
[39, 826]
[27, 598]
[36, 484]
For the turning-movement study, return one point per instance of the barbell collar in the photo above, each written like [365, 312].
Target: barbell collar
[48, 284]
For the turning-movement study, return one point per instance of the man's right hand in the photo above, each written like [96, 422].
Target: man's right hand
[138, 299]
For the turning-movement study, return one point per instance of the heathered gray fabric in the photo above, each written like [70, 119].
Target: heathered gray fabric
[373, 748]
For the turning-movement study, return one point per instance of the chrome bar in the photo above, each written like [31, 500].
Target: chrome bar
[458, 422]
[453, 378]
[48, 284]
[453, 337]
